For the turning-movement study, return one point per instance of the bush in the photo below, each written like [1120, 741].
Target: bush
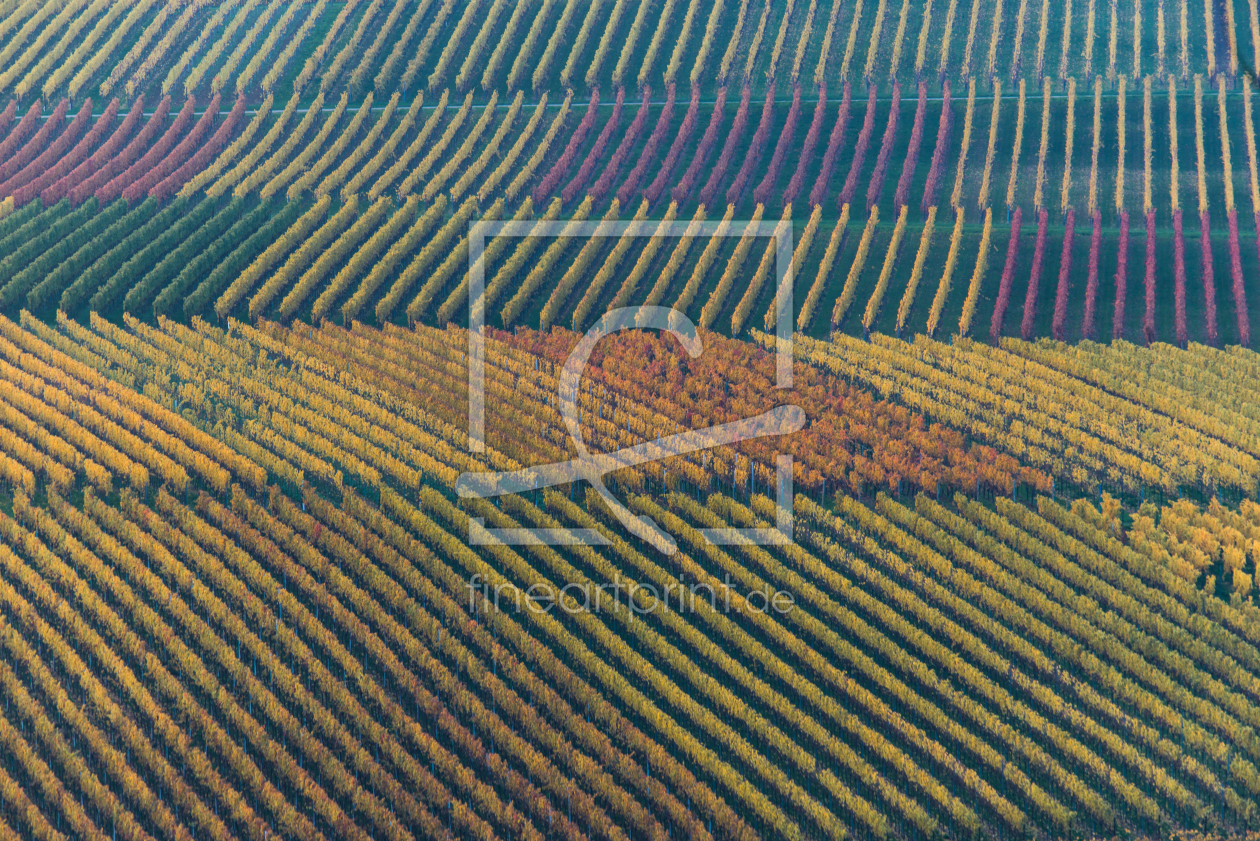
[1209, 278]
[631, 185]
[682, 191]
[34, 146]
[1091, 285]
[849, 289]
[133, 238]
[59, 241]
[1122, 266]
[1034, 282]
[1148, 319]
[1236, 274]
[166, 268]
[535, 160]
[281, 246]
[1179, 273]
[1008, 277]
[317, 254]
[819, 191]
[676, 148]
[885, 149]
[32, 240]
[155, 248]
[1065, 271]
[561, 167]
[794, 186]
[601, 187]
[181, 152]
[943, 131]
[761, 195]
[157, 152]
[912, 157]
[37, 167]
[859, 152]
[9, 112]
[593, 157]
[51, 287]
[20, 132]
[99, 167]
[951, 262]
[733, 139]
[755, 149]
[916, 274]
[977, 276]
[70, 162]
[204, 156]
[208, 261]
[228, 268]
[386, 265]
[374, 234]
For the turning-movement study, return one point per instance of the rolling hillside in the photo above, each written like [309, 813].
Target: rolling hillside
[244, 592]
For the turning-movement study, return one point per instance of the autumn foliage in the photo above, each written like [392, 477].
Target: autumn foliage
[943, 131]
[676, 149]
[235, 554]
[859, 152]
[1059, 324]
[319, 512]
[902, 195]
[69, 162]
[561, 167]
[18, 160]
[806, 157]
[1122, 272]
[1236, 276]
[885, 149]
[9, 112]
[125, 167]
[761, 195]
[1034, 282]
[756, 148]
[596, 154]
[733, 138]
[819, 191]
[648, 156]
[682, 191]
[1091, 283]
[1008, 277]
[1179, 275]
[177, 156]
[601, 187]
[1209, 280]
[32, 173]
[1257, 222]
[1148, 319]
[19, 133]
[203, 157]
[99, 165]
[852, 440]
